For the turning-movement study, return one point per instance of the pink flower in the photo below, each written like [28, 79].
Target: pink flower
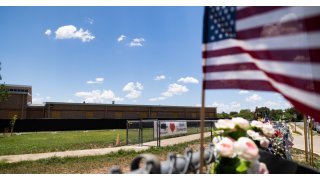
[225, 147]
[263, 169]
[264, 142]
[246, 149]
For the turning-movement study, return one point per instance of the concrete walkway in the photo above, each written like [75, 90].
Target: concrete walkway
[298, 140]
[102, 151]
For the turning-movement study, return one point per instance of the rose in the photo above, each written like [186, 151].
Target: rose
[264, 142]
[225, 124]
[268, 130]
[263, 169]
[246, 149]
[242, 123]
[254, 135]
[225, 147]
[257, 124]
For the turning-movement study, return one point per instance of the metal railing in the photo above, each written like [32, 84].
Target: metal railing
[175, 164]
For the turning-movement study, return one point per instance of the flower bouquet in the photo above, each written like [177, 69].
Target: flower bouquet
[236, 146]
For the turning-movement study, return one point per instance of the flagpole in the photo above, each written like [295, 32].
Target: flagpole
[202, 117]
[311, 141]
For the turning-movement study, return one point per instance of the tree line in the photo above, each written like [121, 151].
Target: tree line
[290, 114]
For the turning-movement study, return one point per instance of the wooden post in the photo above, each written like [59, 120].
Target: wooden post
[202, 117]
[311, 141]
[305, 137]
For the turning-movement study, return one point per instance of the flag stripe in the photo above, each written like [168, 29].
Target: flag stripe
[253, 11]
[311, 99]
[309, 24]
[257, 85]
[276, 16]
[306, 70]
[311, 55]
[306, 40]
[305, 84]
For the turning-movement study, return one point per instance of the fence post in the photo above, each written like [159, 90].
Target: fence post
[211, 129]
[127, 133]
[141, 132]
[157, 125]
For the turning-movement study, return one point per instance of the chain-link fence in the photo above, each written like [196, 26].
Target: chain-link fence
[140, 131]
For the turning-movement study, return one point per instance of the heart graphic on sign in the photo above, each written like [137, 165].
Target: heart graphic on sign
[172, 127]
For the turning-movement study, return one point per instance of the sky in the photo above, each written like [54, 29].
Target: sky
[130, 55]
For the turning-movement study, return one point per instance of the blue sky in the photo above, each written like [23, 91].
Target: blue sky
[133, 55]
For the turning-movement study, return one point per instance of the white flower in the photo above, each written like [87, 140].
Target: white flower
[268, 130]
[264, 142]
[242, 123]
[254, 135]
[224, 124]
[246, 149]
[225, 147]
[257, 124]
[263, 169]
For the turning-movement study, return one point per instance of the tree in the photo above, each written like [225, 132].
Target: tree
[275, 114]
[233, 114]
[246, 114]
[291, 114]
[261, 112]
[223, 115]
[3, 91]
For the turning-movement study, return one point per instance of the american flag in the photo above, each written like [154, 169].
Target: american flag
[265, 48]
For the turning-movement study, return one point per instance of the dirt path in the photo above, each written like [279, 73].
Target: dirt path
[102, 151]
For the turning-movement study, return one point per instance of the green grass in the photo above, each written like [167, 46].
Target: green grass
[88, 164]
[58, 141]
[41, 142]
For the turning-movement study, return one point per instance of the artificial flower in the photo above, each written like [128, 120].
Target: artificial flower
[268, 130]
[225, 124]
[242, 123]
[257, 124]
[225, 147]
[246, 149]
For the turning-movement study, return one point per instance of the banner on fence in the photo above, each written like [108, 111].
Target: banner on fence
[168, 128]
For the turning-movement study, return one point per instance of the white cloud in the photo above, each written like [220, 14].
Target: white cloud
[96, 81]
[121, 38]
[157, 99]
[90, 21]
[288, 105]
[70, 101]
[71, 32]
[136, 42]
[272, 104]
[38, 99]
[175, 89]
[254, 98]
[189, 80]
[161, 77]
[48, 32]
[243, 92]
[133, 89]
[97, 96]
[221, 107]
